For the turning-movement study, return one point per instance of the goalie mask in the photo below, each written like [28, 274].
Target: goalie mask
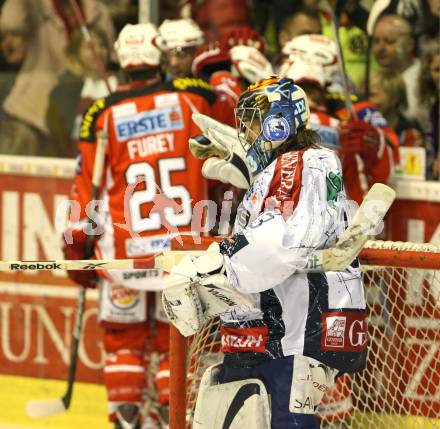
[269, 115]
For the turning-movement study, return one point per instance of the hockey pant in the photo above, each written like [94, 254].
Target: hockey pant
[128, 350]
[276, 374]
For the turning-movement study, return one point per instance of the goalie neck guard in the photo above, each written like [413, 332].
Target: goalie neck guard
[269, 115]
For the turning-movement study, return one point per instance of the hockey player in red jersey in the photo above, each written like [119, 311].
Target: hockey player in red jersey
[150, 180]
[287, 327]
[179, 40]
[233, 63]
[368, 135]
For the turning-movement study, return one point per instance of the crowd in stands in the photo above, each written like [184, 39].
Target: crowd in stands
[48, 75]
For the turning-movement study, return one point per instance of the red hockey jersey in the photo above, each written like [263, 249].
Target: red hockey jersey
[150, 181]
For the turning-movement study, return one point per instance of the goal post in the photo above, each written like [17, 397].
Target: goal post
[400, 385]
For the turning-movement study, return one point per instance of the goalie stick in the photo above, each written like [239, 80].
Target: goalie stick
[367, 218]
[48, 407]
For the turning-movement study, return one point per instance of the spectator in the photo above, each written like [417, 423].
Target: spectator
[13, 46]
[23, 127]
[218, 17]
[393, 47]
[78, 87]
[310, 20]
[353, 39]
[302, 21]
[121, 12]
[429, 88]
[388, 94]
[423, 15]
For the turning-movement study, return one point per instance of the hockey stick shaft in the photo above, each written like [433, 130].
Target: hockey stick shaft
[98, 166]
[367, 218]
[75, 346]
[340, 54]
[360, 166]
[99, 64]
[163, 261]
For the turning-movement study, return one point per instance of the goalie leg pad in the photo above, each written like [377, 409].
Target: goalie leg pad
[310, 380]
[235, 405]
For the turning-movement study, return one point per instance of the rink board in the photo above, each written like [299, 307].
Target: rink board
[39, 308]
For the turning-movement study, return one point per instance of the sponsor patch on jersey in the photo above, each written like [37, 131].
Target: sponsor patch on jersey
[123, 298]
[142, 246]
[86, 131]
[344, 331]
[124, 110]
[149, 122]
[185, 83]
[276, 128]
[244, 339]
[166, 100]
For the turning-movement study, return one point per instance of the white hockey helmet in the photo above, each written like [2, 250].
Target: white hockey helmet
[315, 49]
[136, 46]
[303, 71]
[180, 33]
[249, 63]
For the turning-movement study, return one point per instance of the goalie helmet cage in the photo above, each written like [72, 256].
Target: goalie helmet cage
[399, 387]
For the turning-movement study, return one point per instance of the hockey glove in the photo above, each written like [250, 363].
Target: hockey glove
[181, 300]
[225, 157]
[359, 137]
[198, 290]
[76, 248]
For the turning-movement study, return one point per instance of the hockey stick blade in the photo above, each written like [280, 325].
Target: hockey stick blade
[368, 217]
[42, 408]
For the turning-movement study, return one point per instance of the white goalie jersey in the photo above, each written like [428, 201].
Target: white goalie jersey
[294, 206]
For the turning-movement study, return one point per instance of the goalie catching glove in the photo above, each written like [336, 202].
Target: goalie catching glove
[198, 290]
[219, 146]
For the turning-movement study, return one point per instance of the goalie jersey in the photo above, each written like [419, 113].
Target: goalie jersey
[294, 206]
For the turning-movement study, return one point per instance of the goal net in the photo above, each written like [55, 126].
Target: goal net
[400, 387]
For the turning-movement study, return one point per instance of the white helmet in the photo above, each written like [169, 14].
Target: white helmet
[180, 33]
[303, 71]
[315, 49]
[136, 46]
[249, 63]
